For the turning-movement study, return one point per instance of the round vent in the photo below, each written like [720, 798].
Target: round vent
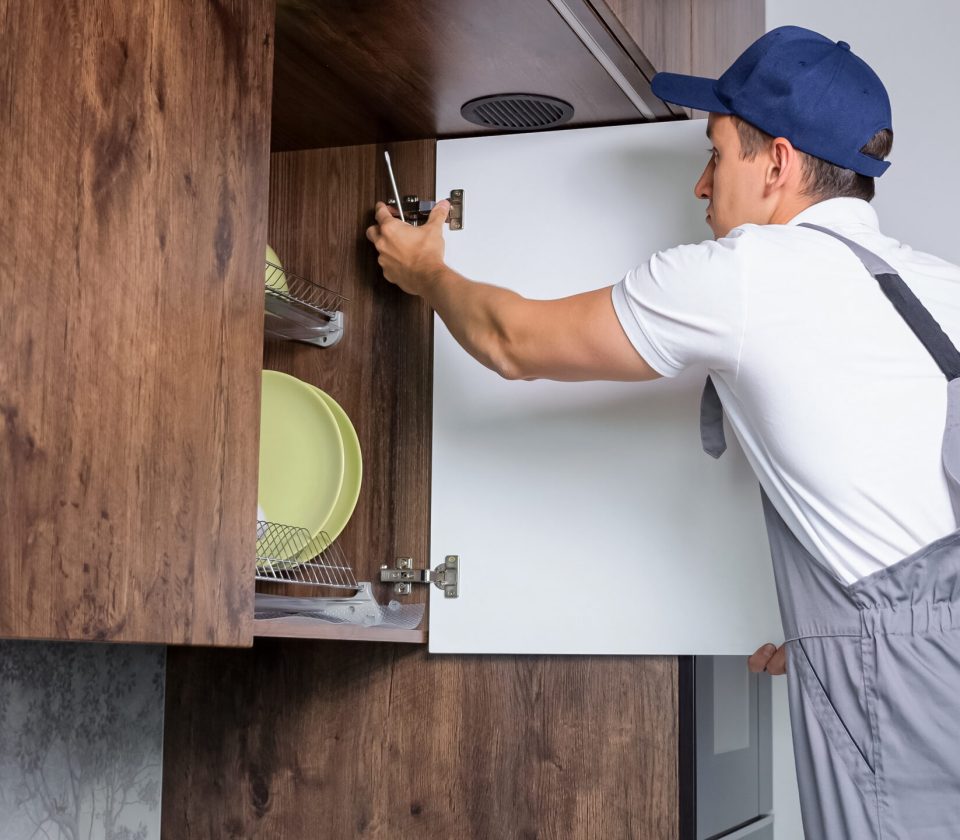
[517, 111]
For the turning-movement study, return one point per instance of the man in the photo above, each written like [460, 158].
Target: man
[828, 344]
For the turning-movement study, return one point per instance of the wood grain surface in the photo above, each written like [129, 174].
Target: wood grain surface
[721, 30]
[351, 72]
[698, 37]
[133, 190]
[661, 28]
[321, 202]
[347, 740]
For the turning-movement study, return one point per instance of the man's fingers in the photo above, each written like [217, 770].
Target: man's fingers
[778, 662]
[383, 213]
[768, 658]
[373, 233]
[760, 658]
[439, 213]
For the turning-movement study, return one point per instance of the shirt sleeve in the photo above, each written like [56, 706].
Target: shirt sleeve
[686, 306]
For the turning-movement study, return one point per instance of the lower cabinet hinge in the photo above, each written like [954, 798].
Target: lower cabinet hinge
[446, 576]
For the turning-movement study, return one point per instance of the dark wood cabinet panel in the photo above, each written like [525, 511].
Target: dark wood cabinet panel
[381, 371]
[700, 37]
[661, 28]
[133, 192]
[347, 740]
[721, 30]
[350, 72]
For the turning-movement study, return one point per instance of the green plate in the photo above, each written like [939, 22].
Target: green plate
[301, 458]
[274, 279]
[352, 471]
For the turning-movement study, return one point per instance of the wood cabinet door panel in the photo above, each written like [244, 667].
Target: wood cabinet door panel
[133, 190]
[348, 740]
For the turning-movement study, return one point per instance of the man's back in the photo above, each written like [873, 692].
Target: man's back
[839, 407]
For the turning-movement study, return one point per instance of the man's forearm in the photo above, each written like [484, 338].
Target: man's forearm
[568, 339]
[478, 316]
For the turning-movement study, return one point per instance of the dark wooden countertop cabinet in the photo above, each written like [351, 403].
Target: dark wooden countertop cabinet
[139, 190]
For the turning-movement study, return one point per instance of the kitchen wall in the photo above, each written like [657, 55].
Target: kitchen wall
[81, 736]
[912, 48]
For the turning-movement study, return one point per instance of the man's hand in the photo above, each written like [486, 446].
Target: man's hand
[411, 257]
[769, 658]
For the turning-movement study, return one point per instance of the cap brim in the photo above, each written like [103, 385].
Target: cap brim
[690, 91]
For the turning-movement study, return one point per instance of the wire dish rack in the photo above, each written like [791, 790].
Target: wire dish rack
[287, 554]
[301, 310]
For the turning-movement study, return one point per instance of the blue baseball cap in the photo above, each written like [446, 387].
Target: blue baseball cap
[798, 84]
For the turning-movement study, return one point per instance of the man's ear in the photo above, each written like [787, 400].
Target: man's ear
[782, 160]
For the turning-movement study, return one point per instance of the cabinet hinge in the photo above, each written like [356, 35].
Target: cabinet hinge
[416, 212]
[446, 576]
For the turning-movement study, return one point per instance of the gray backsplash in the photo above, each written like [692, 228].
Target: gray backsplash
[81, 738]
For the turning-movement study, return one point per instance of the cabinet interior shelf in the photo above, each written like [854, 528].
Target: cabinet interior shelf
[300, 627]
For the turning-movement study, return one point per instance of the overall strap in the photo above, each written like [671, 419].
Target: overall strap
[712, 437]
[918, 318]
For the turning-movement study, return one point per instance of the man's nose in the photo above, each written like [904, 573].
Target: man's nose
[704, 186]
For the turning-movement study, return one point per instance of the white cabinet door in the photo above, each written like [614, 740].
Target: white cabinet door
[586, 516]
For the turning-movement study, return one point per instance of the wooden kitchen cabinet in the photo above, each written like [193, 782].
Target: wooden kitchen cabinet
[135, 211]
[546, 214]
[134, 207]
[311, 737]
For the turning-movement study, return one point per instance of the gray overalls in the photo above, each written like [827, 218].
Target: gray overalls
[873, 667]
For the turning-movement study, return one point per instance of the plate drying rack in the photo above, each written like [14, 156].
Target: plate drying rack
[301, 310]
[297, 309]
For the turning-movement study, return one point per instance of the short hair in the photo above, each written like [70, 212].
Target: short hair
[821, 179]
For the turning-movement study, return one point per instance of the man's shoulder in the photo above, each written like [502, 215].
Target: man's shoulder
[739, 239]
[716, 252]
[756, 245]
[750, 234]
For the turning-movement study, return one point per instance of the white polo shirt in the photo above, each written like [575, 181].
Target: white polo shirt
[837, 404]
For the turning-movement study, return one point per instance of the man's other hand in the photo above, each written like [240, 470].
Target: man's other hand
[769, 658]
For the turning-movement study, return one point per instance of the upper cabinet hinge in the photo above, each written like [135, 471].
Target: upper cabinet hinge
[446, 576]
[416, 212]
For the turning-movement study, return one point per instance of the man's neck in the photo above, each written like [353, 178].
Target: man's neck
[788, 210]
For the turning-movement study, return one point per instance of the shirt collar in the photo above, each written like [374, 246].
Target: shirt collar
[836, 212]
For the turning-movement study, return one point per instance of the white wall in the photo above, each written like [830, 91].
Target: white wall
[912, 48]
